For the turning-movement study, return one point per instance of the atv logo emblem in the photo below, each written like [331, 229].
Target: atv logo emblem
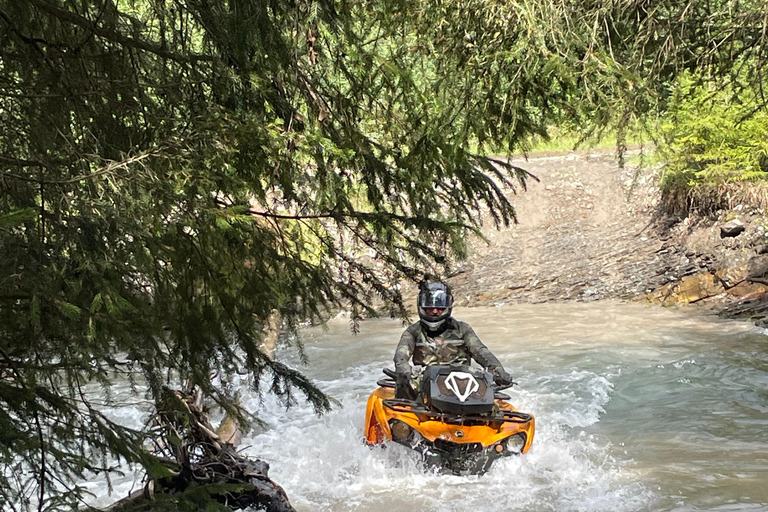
[462, 384]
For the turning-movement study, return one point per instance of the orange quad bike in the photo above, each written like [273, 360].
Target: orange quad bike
[459, 421]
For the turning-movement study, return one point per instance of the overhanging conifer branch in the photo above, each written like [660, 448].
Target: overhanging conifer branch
[116, 37]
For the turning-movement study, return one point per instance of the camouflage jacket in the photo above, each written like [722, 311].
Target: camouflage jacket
[458, 344]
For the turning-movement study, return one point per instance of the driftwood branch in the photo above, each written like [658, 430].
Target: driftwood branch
[206, 456]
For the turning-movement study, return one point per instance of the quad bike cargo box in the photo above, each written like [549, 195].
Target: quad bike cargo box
[458, 389]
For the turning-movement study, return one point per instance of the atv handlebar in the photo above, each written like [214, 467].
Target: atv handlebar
[389, 373]
[393, 375]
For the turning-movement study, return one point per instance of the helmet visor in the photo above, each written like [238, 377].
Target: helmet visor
[435, 299]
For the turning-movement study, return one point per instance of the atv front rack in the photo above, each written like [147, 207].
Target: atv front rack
[412, 407]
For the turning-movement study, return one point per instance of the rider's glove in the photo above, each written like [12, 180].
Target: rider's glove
[404, 371]
[403, 386]
[501, 377]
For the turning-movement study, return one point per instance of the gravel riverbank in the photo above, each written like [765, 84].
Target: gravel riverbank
[589, 230]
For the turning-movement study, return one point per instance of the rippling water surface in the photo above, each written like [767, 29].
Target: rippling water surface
[637, 409]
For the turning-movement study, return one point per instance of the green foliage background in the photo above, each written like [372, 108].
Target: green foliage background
[715, 141]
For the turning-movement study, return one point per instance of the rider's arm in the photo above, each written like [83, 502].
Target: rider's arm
[483, 356]
[477, 348]
[404, 351]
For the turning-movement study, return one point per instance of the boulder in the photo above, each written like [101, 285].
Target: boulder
[660, 295]
[746, 291]
[757, 269]
[730, 277]
[732, 228]
[695, 288]
[689, 289]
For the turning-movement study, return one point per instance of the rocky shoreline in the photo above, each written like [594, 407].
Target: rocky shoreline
[589, 230]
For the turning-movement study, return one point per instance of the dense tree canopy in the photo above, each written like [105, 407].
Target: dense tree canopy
[175, 170]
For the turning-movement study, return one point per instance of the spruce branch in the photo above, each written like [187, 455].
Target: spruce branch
[116, 37]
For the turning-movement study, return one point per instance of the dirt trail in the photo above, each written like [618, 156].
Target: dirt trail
[585, 232]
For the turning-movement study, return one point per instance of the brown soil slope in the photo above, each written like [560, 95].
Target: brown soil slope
[589, 230]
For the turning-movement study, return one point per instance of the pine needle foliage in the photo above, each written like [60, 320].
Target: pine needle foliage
[173, 171]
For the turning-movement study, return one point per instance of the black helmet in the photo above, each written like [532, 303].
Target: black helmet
[435, 295]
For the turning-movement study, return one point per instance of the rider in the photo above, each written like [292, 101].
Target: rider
[438, 338]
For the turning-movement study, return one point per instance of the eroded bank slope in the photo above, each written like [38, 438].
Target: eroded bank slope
[589, 230]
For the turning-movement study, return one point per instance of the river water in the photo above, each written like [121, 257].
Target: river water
[637, 409]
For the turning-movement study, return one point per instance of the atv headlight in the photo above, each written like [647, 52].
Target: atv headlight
[515, 443]
[400, 430]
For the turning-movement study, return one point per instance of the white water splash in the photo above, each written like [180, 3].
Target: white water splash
[324, 465]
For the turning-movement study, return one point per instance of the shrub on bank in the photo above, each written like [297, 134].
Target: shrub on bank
[715, 143]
